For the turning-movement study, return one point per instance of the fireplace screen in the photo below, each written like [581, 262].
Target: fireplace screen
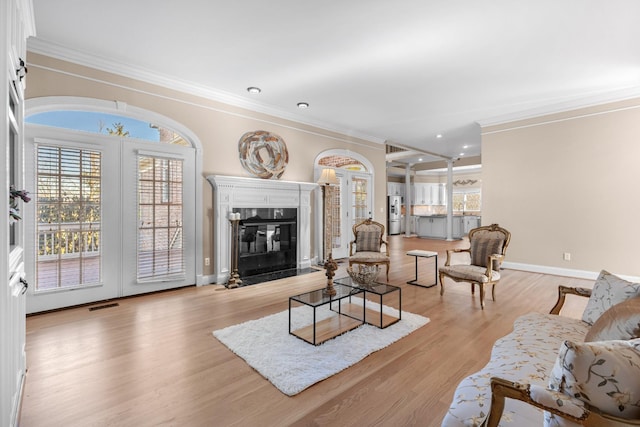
[267, 240]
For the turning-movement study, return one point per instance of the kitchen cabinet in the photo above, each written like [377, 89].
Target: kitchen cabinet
[432, 227]
[414, 224]
[469, 223]
[435, 227]
[395, 189]
[439, 194]
[429, 194]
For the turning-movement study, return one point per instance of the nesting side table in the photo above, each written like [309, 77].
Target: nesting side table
[424, 254]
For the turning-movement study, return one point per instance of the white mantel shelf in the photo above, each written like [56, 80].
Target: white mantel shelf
[231, 192]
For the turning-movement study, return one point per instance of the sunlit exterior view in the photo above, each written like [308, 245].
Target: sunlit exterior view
[69, 196]
[69, 213]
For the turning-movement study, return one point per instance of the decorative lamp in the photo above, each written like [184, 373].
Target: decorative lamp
[327, 179]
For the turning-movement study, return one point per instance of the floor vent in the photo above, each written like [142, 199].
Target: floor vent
[100, 307]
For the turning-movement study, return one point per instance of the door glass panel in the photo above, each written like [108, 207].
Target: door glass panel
[336, 214]
[68, 217]
[359, 199]
[160, 241]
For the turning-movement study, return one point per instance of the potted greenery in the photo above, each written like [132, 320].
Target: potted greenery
[14, 195]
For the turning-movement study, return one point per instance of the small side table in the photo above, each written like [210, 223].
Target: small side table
[424, 254]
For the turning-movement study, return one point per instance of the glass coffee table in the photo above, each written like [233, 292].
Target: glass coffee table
[377, 295]
[344, 315]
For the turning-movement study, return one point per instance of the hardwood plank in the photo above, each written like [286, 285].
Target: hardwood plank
[153, 360]
[328, 328]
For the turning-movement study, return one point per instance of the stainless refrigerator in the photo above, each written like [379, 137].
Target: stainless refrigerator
[394, 210]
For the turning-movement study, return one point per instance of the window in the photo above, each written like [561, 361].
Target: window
[107, 124]
[68, 217]
[467, 202]
[160, 243]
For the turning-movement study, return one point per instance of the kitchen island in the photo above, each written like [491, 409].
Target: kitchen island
[435, 226]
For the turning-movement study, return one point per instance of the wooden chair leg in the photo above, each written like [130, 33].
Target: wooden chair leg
[473, 289]
[387, 273]
[441, 283]
[493, 291]
[481, 286]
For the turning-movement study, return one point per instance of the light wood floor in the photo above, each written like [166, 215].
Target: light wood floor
[152, 360]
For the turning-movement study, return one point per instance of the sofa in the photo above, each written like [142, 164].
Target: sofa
[559, 371]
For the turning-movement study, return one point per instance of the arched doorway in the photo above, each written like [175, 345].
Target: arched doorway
[352, 200]
[115, 211]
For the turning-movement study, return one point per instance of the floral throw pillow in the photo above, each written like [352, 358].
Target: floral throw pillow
[608, 291]
[604, 374]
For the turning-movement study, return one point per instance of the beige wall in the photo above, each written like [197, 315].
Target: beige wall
[567, 182]
[218, 127]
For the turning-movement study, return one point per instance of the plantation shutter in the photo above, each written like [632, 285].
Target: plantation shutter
[160, 238]
[68, 217]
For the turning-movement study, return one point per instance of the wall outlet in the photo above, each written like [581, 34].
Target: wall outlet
[207, 261]
[566, 256]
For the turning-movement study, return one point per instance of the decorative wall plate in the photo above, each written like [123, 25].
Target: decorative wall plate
[263, 154]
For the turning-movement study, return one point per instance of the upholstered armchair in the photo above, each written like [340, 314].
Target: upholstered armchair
[488, 245]
[367, 246]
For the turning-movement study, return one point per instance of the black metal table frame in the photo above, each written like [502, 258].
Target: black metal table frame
[330, 302]
[366, 290]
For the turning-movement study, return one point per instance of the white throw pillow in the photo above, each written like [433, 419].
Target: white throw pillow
[604, 374]
[608, 291]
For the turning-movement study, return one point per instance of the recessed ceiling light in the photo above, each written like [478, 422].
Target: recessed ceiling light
[303, 105]
[462, 154]
[439, 136]
[420, 159]
[465, 146]
[253, 89]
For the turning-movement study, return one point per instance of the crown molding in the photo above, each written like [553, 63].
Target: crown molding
[57, 51]
[568, 104]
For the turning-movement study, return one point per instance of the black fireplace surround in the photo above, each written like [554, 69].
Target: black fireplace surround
[267, 240]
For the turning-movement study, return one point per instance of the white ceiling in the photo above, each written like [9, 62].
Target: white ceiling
[399, 71]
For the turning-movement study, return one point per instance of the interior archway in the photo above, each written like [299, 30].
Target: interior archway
[352, 199]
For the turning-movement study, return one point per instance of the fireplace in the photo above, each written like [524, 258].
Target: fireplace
[275, 226]
[268, 240]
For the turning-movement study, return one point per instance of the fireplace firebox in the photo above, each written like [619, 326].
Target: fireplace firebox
[267, 240]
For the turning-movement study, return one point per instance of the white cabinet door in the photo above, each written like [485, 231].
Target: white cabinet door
[438, 194]
[457, 227]
[395, 189]
[439, 227]
[422, 194]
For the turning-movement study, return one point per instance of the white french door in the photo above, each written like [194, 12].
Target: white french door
[159, 195]
[109, 217]
[352, 203]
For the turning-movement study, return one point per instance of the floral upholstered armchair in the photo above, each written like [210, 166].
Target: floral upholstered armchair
[557, 371]
[487, 247]
[367, 246]
[595, 383]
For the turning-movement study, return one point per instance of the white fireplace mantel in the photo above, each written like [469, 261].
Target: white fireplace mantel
[231, 192]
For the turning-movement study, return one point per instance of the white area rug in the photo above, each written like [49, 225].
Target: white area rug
[291, 364]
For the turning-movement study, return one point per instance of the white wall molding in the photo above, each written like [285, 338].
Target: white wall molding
[57, 51]
[554, 107]
[567, 272]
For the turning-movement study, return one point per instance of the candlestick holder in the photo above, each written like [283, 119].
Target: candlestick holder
[331, 266]
[234, 277]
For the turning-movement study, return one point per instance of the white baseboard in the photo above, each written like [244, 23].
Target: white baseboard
[556, 271]
[205, 280]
